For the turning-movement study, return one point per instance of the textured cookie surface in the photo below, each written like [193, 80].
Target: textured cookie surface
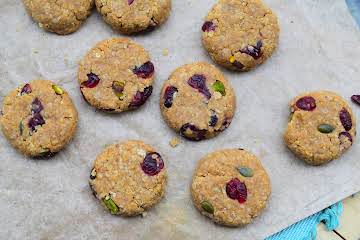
[240, 34]
[131, 16]
[197, 101]
[38, 118]
[59, 16]
[116, 75]
[128, 178]
[321, 127]
[231, 187]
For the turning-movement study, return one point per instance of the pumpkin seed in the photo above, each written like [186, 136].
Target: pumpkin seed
[218, 86]
[246, 171]
[207, 207]
[291, 116]
[325, 128]
[21, 128]
[58, 90]
[110, 204]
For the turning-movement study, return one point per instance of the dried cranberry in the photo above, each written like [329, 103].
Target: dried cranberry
[347, 135]
[36, 120]
[208, 26]
[238, 65]
[213, 119]
[26, 89]
[36, 106]
[254, 51]
[356, 99]
[169, 96]
[306, 103]
[144, 71]
[130, 1]
[93, 81]
[141, 97]
[235, 189]
[196, 134]
[152, 164]
[198, 81]
[345, 119]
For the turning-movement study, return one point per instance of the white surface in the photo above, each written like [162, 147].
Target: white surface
[319, 49]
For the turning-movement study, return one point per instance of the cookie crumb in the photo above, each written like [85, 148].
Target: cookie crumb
[165, 52]
[174, 142]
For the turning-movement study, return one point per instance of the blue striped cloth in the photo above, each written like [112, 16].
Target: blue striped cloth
[306, 229]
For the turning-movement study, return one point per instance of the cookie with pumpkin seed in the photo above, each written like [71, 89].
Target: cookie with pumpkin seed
[197, 101]
[240, 34]
[116, 75]
[38, 118]
[128, 178]
[321, 127]
[230, 186]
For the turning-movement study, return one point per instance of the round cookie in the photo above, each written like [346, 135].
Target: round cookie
[321, 127]
[231, 187]
[116, 75]
[240, 34]
[197, 101]
[128, 178]
[60, 16]
[131, 16]
[38, 118]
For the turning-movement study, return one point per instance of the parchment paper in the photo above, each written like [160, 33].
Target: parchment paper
[319, 49]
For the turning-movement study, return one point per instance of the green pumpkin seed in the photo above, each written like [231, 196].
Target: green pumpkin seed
[325, 128]
[58, 90]
[110, 204]
[21, 128]
[207, 207]
[291, 116]
[246, 171]
[219, 87]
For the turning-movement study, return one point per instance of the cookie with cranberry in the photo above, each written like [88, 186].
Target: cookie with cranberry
[61, 16]
[38, 118]
[231, 187]
[197, 101]
[240, 34]
[321, 127]
[128, 178]
[132, 16]
[116, 75]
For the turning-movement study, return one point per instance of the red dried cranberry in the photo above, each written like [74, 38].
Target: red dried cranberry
[238, 65]
[235, 189]
[144, 71]
[93, 81]
[36, 120]
[198, 81]
[208, 26]
[152, 164]
[141, 97]
[130, 1]
[306, 103]
[356, 99]
[254, 51]
[36, 106]
[345, 119]
[347, 135]
[169, 95]
[213, 119]
[26, 89]
[196, 134]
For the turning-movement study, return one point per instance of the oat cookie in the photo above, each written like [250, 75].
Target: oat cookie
[38, 118]
[131, 16]
[231, 187]
[197, 101]
[240, 34]
[116, 75]
[59, 16]
[128, 178]
[321, 127]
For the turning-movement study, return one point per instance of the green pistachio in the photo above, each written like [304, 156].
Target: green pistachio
[218, 86]
[110, 204]
[58, 90]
